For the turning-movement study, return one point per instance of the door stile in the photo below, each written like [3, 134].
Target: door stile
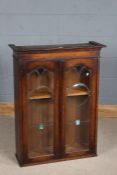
[56, 110]
[93, 108]
[62, 107]
[24, 116]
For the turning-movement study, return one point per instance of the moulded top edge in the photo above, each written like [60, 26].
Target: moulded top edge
[91, 44]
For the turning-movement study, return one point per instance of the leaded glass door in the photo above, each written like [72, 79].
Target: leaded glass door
[78, 101]
[41, 111]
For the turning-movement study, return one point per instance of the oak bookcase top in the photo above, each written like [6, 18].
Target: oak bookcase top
[89, 45]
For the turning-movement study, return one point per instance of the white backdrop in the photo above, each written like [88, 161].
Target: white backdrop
[59, 21]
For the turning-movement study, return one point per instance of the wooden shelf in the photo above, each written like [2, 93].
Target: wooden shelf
[46, 95]
[77, 93]
[39, 96]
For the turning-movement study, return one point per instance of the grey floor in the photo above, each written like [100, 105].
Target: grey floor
[105, 163]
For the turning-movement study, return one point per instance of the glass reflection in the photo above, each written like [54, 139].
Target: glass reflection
[78, 93]
[40, 112]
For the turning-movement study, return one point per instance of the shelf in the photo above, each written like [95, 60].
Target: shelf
[46, 95]
[42, 95]
[77, 93]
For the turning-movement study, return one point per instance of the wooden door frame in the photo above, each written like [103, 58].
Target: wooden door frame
[93, 65]
[26, 68]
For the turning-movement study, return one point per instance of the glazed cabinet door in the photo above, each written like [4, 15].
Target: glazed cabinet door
[40, 112]
[79, 107]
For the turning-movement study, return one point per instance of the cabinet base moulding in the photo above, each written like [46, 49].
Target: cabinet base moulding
[88, 155]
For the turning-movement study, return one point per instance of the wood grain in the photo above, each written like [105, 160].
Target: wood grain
[39, 61]
[107, 110]
[7, 109]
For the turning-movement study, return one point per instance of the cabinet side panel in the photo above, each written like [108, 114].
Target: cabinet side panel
[18, 130]
[94, 106]
[96, 103]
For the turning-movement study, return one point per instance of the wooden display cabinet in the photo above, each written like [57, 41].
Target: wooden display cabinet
[56, 90]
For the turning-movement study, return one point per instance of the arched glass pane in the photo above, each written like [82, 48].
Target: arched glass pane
[40, 112]
[78, 90]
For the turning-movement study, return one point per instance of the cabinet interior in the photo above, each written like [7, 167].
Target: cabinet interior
[41, 112]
